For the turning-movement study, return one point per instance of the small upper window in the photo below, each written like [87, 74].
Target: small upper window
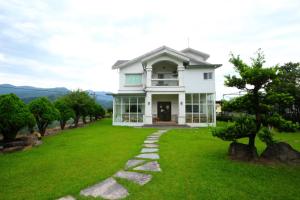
[207, 75]
[133, 79]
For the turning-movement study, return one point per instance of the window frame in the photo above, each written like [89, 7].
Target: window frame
[209, 75]
[133, 85]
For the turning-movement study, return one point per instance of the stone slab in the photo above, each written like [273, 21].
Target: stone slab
[135, 177]
[69, 197]
[107, 189]
[133, 163]
[152, 138]
[149, 166]
[149, 150]
[153, 156]
[151, 145]
[150, 141]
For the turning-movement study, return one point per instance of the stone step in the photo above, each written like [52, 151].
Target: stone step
[69, 197]
[148, 141]
[135, 177]
[153, 156]
[150, 145]
[149, 150]
[133, 162]
[149, 166]
[107, 189]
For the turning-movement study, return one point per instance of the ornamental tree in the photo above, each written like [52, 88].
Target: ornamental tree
[44, 112]
[80, 102]
[252, 79]
[65, 111]
[14, 115]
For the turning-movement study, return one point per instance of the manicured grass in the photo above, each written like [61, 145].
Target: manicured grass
[69, 161]
[195, 166]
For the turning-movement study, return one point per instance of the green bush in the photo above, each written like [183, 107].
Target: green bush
[266, 136]
[224, 118]
[14, 115]
[281, 124]
[242, 127]
[44, 112]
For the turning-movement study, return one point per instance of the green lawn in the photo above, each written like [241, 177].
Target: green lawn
[69, 161]
[194, 164]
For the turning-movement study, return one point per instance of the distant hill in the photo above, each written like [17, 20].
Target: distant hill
[28, 93]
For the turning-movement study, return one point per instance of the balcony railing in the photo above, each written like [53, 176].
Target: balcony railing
[164, 82]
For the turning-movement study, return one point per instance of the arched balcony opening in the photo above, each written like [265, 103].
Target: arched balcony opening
[164, 73]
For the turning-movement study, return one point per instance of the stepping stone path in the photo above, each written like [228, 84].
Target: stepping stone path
[111, 189]
[151, 145]
[153, 156]
[107, 189]
[150, 166]
[69, 197]
[149, 150]
[136, 177]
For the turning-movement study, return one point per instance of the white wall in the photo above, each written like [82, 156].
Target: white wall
[194, 81]
[134, 68]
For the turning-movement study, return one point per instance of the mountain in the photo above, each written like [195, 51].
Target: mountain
[28, 93]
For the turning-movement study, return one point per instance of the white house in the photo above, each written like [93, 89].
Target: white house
[166, 86]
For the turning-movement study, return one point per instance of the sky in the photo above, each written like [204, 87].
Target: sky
[74, 43]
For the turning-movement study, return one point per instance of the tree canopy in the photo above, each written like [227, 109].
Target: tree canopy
[14, 115]
[65, 111]
[44, 112]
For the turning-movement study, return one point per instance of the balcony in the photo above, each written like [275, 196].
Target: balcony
[164, 82]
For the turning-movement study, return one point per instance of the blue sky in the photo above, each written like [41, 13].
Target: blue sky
[73, 43]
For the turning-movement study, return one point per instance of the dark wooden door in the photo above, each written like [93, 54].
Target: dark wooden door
[164, 111]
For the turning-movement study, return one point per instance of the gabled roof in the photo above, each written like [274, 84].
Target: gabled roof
[194, 51]
[165, 50]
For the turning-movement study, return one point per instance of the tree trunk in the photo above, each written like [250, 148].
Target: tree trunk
[252, 140]
[76, 120]
[62, 124]
[83, 119]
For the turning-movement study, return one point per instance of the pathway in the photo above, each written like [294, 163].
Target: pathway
[135, 170]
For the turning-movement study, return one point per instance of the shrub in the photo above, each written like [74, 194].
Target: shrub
[242, 127]
[65, 111]
[14, 115]
[44, 112]
[266, 136]
[225, 118]
[281, 124]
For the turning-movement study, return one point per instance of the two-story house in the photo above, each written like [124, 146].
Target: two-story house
[166, 86]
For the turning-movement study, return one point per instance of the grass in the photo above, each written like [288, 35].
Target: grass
[68, 162]
[194, 164]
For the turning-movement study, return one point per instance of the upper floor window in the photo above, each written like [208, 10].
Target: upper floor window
[207, 75]
[133, 79]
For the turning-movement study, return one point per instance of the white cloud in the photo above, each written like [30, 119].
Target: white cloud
[88, 36]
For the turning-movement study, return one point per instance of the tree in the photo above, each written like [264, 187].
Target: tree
[44, 112]
[99, 111]
[79, 101]
[285, 90]
[253, 79]
[65, 111]
[14, 115]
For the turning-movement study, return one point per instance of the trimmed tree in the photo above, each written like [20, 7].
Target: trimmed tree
[14, 115]
[79, 101]
[44, 112]
[65, 111]
[253, 79]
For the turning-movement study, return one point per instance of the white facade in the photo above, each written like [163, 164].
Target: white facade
[166, 86]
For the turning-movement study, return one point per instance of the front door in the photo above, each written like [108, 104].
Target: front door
[164, 111]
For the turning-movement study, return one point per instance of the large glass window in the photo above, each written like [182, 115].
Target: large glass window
[199, 108]
[129, 109]
[133, 79]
